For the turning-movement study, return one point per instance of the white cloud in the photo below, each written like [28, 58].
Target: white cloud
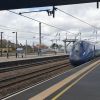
[86, 12]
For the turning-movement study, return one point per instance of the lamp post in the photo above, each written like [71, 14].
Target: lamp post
[16, 43]
[7, 48]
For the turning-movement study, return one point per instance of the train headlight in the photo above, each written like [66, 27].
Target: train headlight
[83, 53]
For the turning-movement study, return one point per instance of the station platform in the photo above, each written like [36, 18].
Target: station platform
[79, 83]
[13, 58]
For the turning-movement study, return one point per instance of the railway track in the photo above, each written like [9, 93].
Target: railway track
[6, 69]
[22, 76]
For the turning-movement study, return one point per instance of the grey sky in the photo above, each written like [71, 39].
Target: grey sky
[27, 29]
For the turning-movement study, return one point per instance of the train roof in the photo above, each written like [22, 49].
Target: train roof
[79, 41]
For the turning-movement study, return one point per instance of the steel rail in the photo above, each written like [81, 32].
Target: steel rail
[33, 72]
[6, 69]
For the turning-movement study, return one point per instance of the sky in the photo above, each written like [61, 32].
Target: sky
[29, 30]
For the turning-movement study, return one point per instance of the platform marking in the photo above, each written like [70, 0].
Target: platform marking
[71, 85]
[44, 94]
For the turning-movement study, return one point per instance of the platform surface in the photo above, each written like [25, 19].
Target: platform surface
[13, 58]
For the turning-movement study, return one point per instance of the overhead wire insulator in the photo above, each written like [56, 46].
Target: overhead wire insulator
[53, 11]
[20, 13]
[97, 4]
[48, 12]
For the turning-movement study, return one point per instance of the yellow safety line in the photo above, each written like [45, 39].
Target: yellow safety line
[71, 85]
[44, 94]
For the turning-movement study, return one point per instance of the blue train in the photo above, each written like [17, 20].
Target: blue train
[83, 51]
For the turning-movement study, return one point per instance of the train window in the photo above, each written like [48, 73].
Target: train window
[85, 45]
[76, 47]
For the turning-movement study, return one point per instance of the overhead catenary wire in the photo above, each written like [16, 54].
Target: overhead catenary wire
[55, 26]
[11, 29]
[2, 27]
[35, 20]
[14, 29]
[49, 24]
[40, 21]
[77, 18]
[22, 31]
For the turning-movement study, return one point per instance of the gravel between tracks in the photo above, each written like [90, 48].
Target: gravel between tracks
[23, 84]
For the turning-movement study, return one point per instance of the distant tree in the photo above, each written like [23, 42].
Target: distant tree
[60, 46]
[42, 46]
[54, 45]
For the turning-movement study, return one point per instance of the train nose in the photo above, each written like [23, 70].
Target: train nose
[75, 60]
[75, 57]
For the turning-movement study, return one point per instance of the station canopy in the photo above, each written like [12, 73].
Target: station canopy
[18, 4]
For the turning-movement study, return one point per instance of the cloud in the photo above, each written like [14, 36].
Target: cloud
[27, 29]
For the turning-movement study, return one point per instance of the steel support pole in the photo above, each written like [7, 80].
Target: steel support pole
[1, 43]
[65, 46]
[16, 44]
[26, 49]
[39, 38]
[7, 48]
